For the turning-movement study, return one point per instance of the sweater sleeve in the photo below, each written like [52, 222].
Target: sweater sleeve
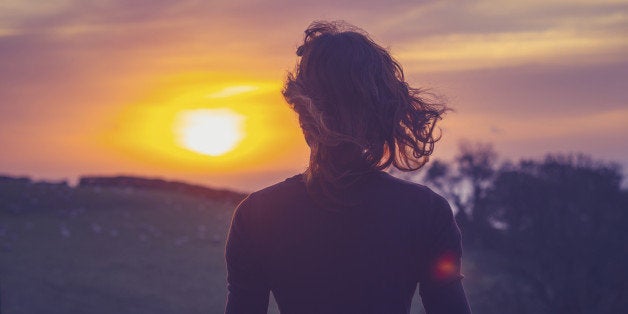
[247, 287]
[441, 287]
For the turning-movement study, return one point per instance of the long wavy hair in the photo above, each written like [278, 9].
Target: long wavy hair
[357, 112]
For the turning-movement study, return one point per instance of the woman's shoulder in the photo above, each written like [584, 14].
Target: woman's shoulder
[410, 197]
[289, 185]
[289, 188]
[403, 187]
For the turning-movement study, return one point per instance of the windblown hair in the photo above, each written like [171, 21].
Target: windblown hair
[357, 113]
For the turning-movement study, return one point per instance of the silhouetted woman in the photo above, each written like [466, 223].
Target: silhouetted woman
[345, 236]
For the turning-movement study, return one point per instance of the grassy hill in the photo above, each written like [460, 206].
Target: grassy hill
[93, 249]
[136, 246]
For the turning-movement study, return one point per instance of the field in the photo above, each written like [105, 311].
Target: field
[107, 250]
[119, 250]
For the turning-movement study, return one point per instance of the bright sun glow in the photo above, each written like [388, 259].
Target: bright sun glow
[212, 132]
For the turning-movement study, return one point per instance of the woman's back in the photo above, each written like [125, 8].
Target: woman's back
[345, 237]
[362, 258]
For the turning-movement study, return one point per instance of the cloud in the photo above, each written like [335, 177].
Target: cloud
[454, 36]
[464, 52]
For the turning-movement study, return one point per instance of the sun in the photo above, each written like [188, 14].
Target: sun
[212, 132]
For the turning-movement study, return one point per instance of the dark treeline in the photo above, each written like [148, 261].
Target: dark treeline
[556, 226]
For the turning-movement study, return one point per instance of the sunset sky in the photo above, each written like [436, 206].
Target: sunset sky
[125, 87]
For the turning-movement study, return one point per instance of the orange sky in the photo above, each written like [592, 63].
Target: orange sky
[96, 88]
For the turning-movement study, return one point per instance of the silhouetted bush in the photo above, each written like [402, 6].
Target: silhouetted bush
[556, 225]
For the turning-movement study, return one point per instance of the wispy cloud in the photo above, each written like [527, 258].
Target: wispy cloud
[473, 51]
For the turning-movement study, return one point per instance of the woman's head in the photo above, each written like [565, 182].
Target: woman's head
[356, 110]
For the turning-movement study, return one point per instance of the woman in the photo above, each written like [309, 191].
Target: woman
[345, 236]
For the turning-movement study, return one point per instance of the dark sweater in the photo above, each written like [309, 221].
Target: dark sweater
[364, 258]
